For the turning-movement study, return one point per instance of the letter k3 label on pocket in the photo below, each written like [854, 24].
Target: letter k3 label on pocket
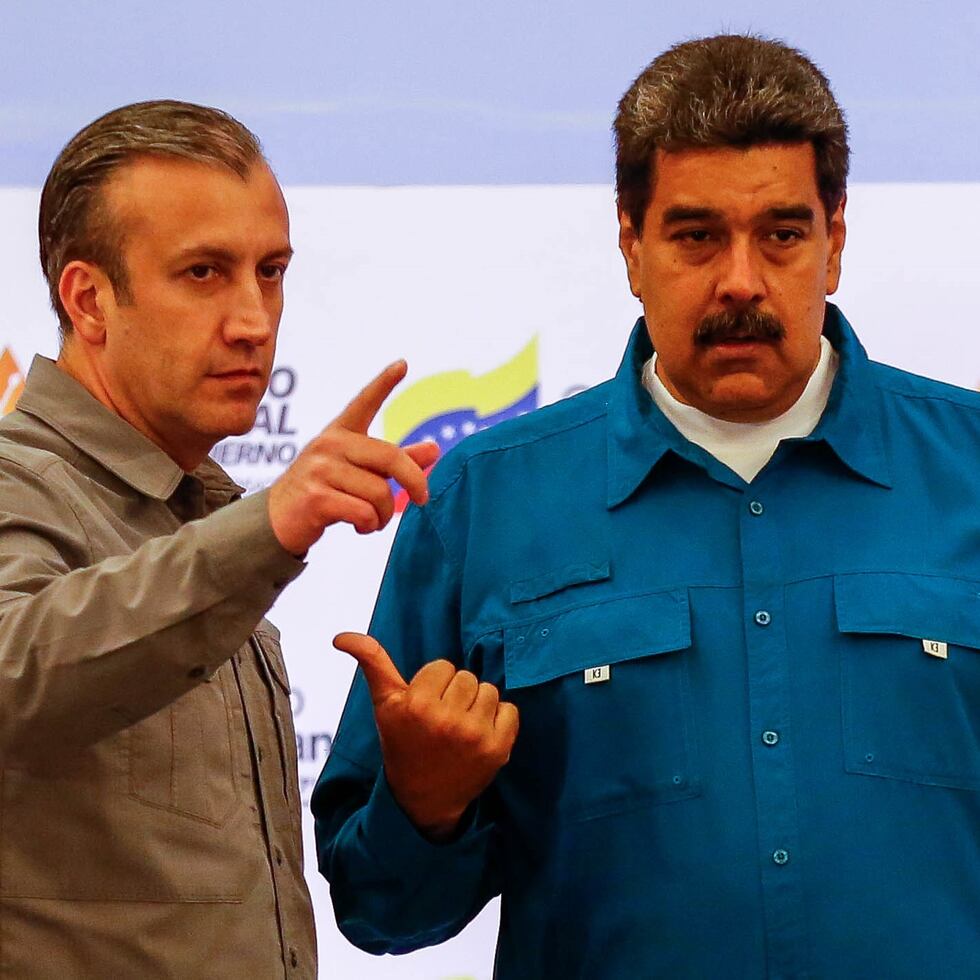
[595, 675]
[935, 648]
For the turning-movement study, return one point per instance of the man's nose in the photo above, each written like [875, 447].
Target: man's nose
[250, 320]
[740, 282]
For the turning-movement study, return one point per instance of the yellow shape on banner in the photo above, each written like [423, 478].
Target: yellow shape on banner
[452, 391]
[11, 382]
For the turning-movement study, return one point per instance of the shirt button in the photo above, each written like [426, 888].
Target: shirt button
[293, 958]
[770, 738]
[780, 856]
[756, 508]
[258, 752]
[278, 854]
[762, 618]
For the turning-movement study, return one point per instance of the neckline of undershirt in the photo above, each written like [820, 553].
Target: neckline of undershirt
[746, 447]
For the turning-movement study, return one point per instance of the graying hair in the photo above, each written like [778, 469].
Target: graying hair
[75, 221]
[729, 90]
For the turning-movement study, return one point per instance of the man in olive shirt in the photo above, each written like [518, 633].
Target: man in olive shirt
[149, 816]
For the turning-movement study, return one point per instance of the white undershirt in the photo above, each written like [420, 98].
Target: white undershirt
[746, 447]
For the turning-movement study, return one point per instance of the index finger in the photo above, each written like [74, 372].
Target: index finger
[382, 676]
[359, 414]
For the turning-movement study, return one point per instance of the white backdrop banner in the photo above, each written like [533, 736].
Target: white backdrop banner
[501, 299]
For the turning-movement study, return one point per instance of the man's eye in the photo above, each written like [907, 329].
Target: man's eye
[694, 236]
[272, 272]
[786, 235]
[201, 272]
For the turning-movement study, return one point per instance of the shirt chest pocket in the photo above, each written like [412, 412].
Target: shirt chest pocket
[910, 677]
[181, 758]
[603, 692]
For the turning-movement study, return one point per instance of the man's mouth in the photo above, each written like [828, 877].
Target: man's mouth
[737, 345]
[238, 373]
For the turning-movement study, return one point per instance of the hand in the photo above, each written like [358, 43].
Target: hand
[342, 475]
[443, 737]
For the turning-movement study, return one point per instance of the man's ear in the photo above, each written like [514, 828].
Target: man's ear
[837, 234]
[629, 245]
[86, 295]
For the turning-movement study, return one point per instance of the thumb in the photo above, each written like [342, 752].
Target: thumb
[382, 676]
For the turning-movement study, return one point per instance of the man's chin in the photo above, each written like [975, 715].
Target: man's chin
[232, 424]
[241, 428]
[742, 398]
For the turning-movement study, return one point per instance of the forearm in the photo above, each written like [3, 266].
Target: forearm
[100, 647]
[392, 889]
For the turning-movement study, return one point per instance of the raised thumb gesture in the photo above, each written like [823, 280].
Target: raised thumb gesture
[444, 736]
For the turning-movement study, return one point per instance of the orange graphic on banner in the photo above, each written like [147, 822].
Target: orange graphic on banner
[11, 382]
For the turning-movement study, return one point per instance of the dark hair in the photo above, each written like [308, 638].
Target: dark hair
[75, 221]
[729, 90]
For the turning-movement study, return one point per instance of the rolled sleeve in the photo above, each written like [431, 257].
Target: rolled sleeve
[392, 889]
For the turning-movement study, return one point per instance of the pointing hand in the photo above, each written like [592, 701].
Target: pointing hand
[342, 475]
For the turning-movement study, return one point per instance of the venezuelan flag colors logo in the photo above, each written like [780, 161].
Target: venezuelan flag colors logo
[447, 407]
[11, 382]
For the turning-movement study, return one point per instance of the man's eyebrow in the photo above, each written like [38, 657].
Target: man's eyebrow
[203, 251]
[219, 254]
[791, 212]
[682, 212]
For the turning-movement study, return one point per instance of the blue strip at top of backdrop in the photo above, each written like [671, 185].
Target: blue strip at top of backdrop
[442, 92]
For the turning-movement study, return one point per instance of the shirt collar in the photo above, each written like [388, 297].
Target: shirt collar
[852, 424]
[640, 435]
[61, 402]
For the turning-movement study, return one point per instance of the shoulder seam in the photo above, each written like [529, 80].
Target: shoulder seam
[65, 498]
[961, 402]
[442, 541]
[40, 470]
[578, 423]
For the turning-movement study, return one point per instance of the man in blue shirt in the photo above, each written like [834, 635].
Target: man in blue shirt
[733, 595]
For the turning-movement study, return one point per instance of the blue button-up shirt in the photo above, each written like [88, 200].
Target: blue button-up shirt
[750, 713]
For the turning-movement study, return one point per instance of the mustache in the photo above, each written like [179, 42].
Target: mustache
[717, 328]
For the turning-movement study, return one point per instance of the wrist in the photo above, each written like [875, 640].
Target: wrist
[436, 824]
[439, 832]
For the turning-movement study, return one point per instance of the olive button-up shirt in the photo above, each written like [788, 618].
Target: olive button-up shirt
[149, 809]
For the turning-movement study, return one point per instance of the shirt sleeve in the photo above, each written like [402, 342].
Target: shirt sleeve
[89, 649]
[392, 889]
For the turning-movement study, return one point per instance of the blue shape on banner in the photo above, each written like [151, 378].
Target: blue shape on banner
[446, 408]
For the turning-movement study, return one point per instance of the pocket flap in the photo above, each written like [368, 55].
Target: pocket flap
[577, 573]
[918, 606]
[608, 632]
